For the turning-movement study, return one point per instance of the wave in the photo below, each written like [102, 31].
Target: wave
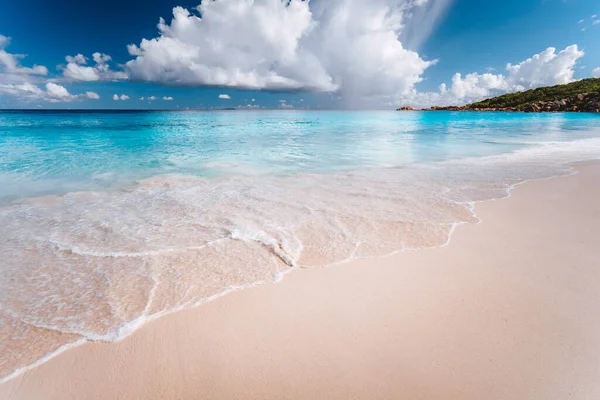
[96, 265]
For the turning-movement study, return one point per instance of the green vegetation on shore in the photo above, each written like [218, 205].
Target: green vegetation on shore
[544, 94]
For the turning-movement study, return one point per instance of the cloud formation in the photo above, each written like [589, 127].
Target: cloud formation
[544, 69]
[123, 97]
[53, 92]
[78, 70]
[29, 83]
[351, 46]
[10, 64]
[596, 72]
[225, 97]
[58, 92]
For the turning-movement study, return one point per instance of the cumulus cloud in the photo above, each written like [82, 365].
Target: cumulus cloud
[544, 69]
[123, 97]
[10, 64]
[152, 98]
[58, 92]
[53, 92]
[167, 98]
[596, 72]
[225, 97]
[28, 83]
[25, 90]
[78, 70]
[475, 85]
[78, 59]
[351, 46]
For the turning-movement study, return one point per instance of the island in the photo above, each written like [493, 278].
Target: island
[579, 96]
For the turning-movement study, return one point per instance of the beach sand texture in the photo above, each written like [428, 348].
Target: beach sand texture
[508, 310]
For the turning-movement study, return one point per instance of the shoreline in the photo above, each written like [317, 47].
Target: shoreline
[154, 322]
[133, 326]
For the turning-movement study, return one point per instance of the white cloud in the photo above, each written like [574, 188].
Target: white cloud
[10, 66]
[152, 98]
[53, 92]
[23, 90]
[101, 59]
[27, 83]
[81, 73]
[58, 92]
[594, 16]
[423, 18]
[596, 22]
[581, 21]
[78, 59]
[77, 69]
[596, 72]
[351, 46]
[123, 97]
[225, 97]
[544, 69]
[476, 86]
[92, 95]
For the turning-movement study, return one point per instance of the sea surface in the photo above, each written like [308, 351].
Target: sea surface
[109, 219]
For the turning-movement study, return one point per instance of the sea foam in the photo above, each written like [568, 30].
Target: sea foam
[97, 264]
[109, 221]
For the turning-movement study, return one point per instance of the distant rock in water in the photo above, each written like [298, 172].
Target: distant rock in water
[406, 108]
[580, 96]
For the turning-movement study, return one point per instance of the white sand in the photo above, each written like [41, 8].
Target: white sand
[509, 310]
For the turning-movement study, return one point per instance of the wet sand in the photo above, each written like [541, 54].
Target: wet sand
[508, 310]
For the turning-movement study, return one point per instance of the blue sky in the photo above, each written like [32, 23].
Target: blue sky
[325, 62]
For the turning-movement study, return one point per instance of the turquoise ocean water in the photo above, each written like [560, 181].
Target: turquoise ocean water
[58, 152]
[108, 219]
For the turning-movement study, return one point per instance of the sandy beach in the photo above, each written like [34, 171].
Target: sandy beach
[508, 310]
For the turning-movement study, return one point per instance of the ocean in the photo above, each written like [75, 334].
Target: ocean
[110, 219]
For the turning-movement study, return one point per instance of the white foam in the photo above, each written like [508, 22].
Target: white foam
[188, 240]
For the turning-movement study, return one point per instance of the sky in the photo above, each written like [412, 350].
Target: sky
[317, 54]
